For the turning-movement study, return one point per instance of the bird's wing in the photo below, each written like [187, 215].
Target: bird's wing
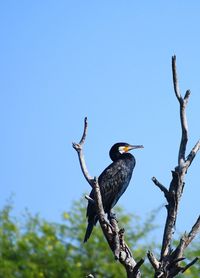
[113, 182]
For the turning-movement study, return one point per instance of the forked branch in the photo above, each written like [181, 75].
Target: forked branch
[170, 261]
[112, 233]
[183, 102]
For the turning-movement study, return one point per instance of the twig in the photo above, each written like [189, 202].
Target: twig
[162, 188]
[82, 141]
[175, 79]
[79, 148]
[194, 231]
[154, 262]
[137, 266]
[192, 155]
[89, 199]
[190, 264]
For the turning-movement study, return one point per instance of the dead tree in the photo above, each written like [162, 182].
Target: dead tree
[112, 233]
[168, 265]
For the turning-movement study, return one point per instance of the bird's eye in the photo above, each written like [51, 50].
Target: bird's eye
[122, 149]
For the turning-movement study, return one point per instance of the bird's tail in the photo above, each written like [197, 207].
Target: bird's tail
[92, 221]
[89, 230]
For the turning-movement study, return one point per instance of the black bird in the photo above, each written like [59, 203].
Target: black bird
[113, 181]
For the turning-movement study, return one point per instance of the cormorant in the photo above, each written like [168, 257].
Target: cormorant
[113, 181]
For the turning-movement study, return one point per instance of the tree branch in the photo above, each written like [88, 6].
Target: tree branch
[114, 238]
[192, 155]
[113, 235]
[175, 79]
[162, 188]
[186, 239]
[177, 183]
[172, 210]
[154, 262]
[87, 197]
[189, 265]
[169, 261]
[79, 148]
[183, 102]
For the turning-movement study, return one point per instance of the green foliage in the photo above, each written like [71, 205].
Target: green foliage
[31, 247]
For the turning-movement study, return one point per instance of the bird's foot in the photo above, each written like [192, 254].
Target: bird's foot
[112, 216]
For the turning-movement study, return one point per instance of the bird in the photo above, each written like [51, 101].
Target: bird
[113, 182]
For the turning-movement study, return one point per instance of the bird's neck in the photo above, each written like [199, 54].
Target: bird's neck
[118, 156]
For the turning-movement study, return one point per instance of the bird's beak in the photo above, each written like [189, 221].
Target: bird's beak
[131, 147]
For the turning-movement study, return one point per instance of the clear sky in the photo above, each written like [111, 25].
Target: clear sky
[109, 61]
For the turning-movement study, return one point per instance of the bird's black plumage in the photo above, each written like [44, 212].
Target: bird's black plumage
[113, 181]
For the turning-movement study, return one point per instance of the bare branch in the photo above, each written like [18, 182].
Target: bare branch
[87, 197]
[154, 262]
[172, 210]
[192, 154]
[117, 248]
[79, 148]
[162, 188]
[176, 261]
[183, 102]
[175, 79]
[114, 238]
[105, 226]
[190, 264]
[186, 97]
[123, 244]
[194, 231]
[137, 266]
[169, 263]
[184, 137]
[111, 231]
[186, 239]
[175, 191]
[98, 199]
[82, 141]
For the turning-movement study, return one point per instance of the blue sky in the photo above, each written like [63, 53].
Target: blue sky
[109, 61]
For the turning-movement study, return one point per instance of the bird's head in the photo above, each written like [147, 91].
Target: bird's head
[119, 148]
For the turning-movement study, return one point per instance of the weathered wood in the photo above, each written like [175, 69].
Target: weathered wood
[169, 263]
[111, 231]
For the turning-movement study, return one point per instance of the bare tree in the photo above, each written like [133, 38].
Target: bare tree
[168, 265]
